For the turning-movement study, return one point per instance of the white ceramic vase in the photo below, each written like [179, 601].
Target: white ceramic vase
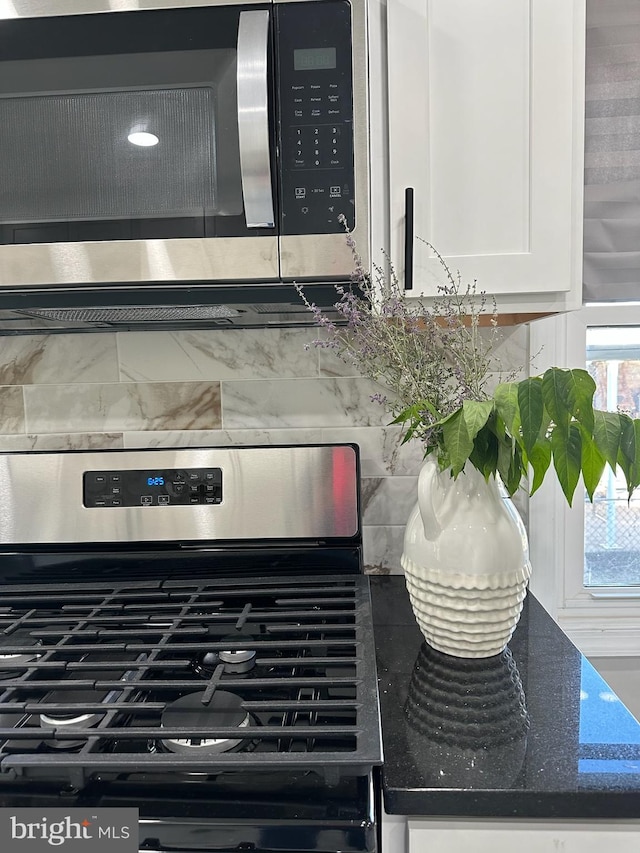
[466, 562]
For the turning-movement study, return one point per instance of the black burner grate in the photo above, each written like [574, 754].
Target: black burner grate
[97, 665]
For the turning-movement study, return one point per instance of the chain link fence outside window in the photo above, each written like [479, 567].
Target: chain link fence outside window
[612, 542]
[612, 523]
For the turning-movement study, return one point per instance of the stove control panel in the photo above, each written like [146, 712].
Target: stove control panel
[168, 487]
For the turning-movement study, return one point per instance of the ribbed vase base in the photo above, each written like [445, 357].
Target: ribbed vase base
[463, 625]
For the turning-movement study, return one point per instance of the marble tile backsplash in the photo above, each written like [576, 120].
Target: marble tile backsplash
[208, 388]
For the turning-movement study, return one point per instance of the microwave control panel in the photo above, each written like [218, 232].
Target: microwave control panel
[152, 488]
[315, 117]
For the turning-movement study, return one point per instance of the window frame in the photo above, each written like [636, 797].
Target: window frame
[602, 621]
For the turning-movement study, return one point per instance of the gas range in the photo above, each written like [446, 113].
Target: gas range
[203, 655]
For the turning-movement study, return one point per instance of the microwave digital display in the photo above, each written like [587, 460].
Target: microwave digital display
[314, 58]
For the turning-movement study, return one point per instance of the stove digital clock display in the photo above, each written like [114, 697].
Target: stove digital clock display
[159, 488]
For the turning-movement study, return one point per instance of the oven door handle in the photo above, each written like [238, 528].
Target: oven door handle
[253, 118]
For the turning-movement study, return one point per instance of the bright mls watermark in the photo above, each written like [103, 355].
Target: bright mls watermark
[74, 830]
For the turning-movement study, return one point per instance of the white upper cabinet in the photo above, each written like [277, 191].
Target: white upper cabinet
[486, 117]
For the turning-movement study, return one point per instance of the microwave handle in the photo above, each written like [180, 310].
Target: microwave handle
[253, 119]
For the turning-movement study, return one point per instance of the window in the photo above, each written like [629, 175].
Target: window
[612, 522]
[586, 558]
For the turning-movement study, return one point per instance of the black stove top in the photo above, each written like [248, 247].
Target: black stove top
[189, 677]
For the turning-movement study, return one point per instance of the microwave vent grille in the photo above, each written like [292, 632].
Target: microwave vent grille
[279, 308]
[117, 316]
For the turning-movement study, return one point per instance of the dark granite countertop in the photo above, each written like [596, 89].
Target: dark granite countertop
[534, 732]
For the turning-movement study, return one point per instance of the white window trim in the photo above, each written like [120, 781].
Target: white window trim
[602, 622]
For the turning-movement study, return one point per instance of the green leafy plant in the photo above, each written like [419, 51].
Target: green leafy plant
[530, 424]
[437, 364]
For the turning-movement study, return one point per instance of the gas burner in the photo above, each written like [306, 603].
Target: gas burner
[233, 660]
[224, 709]
[18, 638]
[70, 719]
[238, 661]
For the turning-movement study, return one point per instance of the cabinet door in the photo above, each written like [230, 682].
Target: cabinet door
[486, 105]
[490, 836]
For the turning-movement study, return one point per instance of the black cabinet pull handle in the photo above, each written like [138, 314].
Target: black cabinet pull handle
[408, 238]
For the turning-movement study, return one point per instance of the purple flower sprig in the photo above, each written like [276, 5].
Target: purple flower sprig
[428, 356]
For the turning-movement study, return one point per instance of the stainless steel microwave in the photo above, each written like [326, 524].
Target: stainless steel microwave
[178, 163]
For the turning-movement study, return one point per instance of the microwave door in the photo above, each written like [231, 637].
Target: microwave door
[82, 203]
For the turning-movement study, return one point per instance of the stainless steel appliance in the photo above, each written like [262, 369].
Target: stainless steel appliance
[174, 162]
[188, 632]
